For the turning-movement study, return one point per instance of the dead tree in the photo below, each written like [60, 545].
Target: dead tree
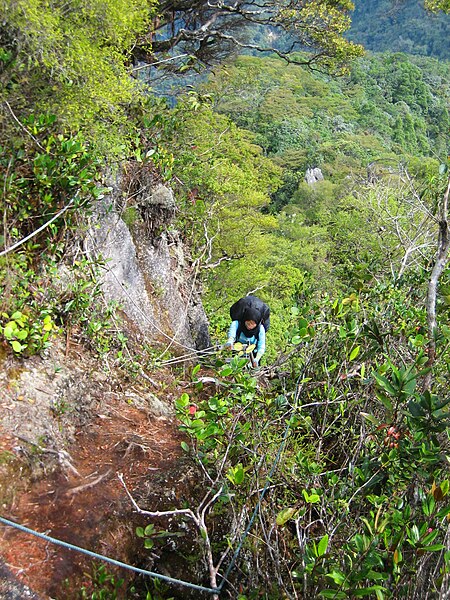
[439, 266]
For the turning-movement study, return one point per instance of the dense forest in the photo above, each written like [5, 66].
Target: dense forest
[405, 26]
[335, 453]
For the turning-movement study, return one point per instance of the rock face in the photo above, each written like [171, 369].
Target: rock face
[11, 588]
[312, 176]
[146, 269]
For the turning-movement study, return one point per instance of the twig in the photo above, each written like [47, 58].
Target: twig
[22, 126]
[63, 456]
[199, 520]
[86, 486]
[150, 513]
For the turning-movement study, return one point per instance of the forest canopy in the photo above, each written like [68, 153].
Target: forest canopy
[402, 26]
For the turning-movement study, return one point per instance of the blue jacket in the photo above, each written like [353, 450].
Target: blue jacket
[260, 342]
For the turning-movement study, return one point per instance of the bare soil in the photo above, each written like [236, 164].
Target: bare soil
[69, 488]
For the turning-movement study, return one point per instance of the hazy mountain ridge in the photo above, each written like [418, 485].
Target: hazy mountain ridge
[400, 26]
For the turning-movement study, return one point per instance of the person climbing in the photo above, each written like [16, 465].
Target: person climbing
[250, 318]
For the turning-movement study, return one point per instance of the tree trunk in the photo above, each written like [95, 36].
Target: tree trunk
[439, 266]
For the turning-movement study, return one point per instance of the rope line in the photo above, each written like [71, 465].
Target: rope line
[41, 228]
[173, 580]
[117, 563]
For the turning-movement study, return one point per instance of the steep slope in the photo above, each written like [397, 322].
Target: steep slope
[69, 422]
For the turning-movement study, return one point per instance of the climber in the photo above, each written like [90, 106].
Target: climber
[250, 320]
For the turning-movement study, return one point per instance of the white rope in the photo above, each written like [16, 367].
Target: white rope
[41, 228]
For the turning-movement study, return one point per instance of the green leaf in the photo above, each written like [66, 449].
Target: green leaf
[322, 545]
[8, 332]
[410, 386]
[432, 548]
[371, 418]
[150, 529]
[415, 535]
[196, 369]
[426, 541]
[384, 401]
[17, 346]
[140, 532]
[354, 353]
[236, 474]
[415, 409]
[337, 576]
[183, 400]
[285, 515]
[385, 384]
[185, 446]
[368, 591]
[148, 543]
[335, 594]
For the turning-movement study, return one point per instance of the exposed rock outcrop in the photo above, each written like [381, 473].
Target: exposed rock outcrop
[11, 588]
[312, 176]
[147, 270]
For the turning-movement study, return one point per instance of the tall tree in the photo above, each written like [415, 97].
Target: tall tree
[207, 31]
[439, 266]
[71, 59]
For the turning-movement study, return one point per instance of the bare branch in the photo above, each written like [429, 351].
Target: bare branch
[198, 518]
[211, 31]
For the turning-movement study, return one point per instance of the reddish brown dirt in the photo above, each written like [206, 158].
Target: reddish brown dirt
[90, 509]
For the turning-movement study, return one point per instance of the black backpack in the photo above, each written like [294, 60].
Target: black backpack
[238, 309]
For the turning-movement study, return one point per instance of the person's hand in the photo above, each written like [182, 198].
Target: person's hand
[256, 360]
[228, 346]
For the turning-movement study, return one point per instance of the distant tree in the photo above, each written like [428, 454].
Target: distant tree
[411, 26]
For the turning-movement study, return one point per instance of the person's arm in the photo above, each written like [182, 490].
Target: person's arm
[261, 346]
[232, 333]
